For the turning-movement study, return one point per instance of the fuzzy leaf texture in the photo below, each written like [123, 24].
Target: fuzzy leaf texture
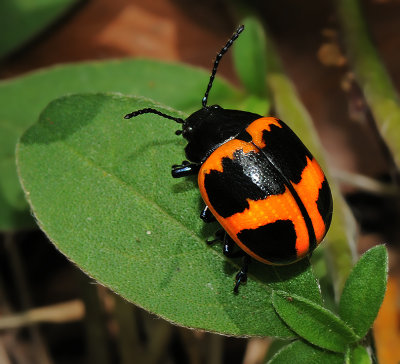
[101, 189]
[364, 290]
[299, 352]
[313, 322]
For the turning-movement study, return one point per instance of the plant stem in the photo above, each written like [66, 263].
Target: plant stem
[39, 347]
[95, 323]
[216, 349]
[62, 312]
[130, 348]
[371, 74]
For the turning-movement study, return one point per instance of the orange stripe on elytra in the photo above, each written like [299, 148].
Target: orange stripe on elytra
[214, 161]
[263, 212]
[308, 188]
[257, 127]
[267, 211]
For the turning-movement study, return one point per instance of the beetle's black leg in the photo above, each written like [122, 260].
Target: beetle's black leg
[184, 169]
[206, 215]
[241, 277]
[230, 248]
[229, 245]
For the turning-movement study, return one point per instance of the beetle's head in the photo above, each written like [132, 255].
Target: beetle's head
[211, 126]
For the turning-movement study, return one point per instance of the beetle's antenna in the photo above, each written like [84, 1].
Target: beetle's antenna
[153, 111]
[216, 62]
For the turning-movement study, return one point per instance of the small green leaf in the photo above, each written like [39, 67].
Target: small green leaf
[21, 20]
[250, 58]
[312, 322]
[364, 290]
[275, 346]
[359, 355]
[100, 187]
[299, 352]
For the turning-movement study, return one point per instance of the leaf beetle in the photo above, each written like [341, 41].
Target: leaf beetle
[257, 179]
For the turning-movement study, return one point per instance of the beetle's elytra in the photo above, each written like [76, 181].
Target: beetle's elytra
[257, 179]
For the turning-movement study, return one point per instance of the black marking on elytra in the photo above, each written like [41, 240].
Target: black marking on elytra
[325, 204]
[246, 176]
[288, 155]
[245, 136]
[275, 242]
[286, 151]
[312, 239]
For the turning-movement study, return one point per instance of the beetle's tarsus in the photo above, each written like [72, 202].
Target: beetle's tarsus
[241, 277]
[184, 169]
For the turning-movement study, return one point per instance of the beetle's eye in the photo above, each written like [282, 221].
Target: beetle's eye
[187, 131]
[216, 107]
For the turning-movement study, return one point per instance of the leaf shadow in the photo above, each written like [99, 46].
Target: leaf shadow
[272, 274]
[265, 273]
[269, 277]
[50, 129]
[144, 149]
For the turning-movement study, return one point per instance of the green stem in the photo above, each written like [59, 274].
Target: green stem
[371, 74]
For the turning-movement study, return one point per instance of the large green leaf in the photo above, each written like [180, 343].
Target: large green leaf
[364, 290]
[101, 189]
[22, 99]
[21, 20]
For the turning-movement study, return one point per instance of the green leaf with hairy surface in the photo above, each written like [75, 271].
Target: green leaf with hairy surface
[299, 352]
[275, 346]
[22, 99]
[101, 188]
[364, 290]
[313, 322]
[22, 20]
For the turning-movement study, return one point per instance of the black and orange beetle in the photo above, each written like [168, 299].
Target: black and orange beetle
[257, 179]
